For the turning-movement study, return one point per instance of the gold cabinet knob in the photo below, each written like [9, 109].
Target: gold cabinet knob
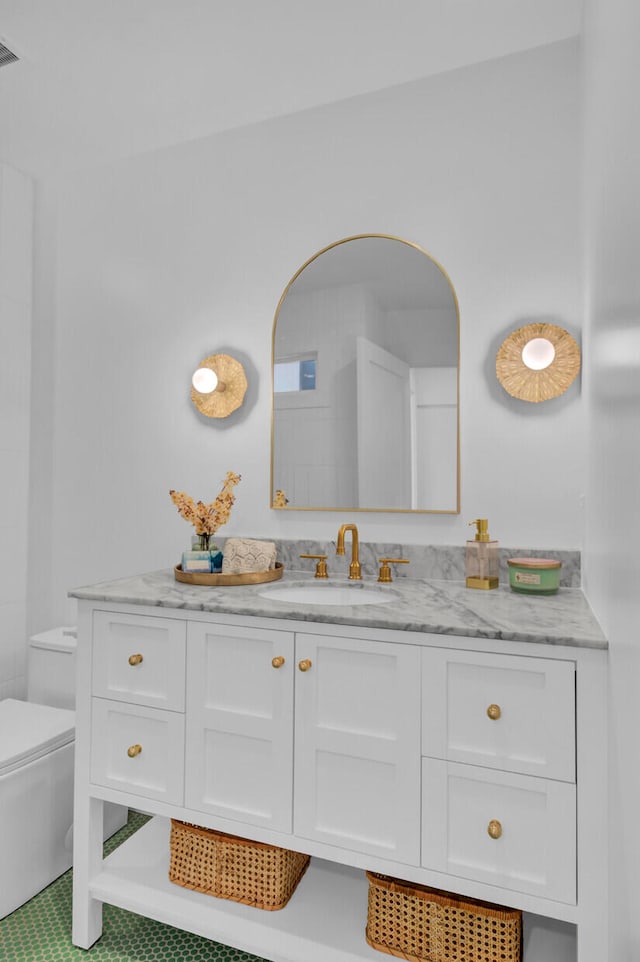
[135, 660]
[305, 664]
[494, 712]
[278, 661]
[494, 828]
[134, 750]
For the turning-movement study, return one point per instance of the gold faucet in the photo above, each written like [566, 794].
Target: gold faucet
[354, 568]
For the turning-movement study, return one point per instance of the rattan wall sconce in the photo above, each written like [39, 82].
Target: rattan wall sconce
[537, 362]
[218, 386]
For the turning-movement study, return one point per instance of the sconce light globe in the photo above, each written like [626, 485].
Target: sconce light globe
[538, 353]
[204, 380]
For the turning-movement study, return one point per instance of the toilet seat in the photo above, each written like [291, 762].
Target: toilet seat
[29, 731]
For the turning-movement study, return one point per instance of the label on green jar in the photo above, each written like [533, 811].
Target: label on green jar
[527, 578]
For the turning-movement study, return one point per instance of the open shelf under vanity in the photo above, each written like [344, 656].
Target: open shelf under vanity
[325, 918]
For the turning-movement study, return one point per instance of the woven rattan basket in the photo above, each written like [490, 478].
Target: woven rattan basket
[233, 868]
[421, 924]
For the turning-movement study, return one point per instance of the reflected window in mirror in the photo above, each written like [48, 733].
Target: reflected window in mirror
[365, 411]
[297, 374]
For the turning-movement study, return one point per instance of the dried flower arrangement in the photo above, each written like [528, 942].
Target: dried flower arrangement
[207, 518]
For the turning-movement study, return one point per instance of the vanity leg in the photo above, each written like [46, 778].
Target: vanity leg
[87, 861]
[593, 838]
[592, 941]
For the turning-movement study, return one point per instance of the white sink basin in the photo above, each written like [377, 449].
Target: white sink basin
[319, 594]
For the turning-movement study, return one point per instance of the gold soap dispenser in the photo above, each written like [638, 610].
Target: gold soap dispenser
[482, 558]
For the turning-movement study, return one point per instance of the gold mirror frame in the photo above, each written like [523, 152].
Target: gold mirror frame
[278, 498]
[526, 384]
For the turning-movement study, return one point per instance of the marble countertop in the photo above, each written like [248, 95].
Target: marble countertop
[443, 607]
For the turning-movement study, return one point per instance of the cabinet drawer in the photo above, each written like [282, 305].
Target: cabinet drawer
[506, 712]
[532, 844]
[139, 750]
[139, 659]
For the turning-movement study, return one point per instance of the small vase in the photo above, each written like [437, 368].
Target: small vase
[200, 542]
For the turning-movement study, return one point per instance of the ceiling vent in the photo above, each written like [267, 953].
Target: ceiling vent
[6, 56]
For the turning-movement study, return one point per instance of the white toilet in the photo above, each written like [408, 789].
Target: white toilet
[36, 773]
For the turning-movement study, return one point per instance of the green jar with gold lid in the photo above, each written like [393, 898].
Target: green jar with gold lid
[534, 576]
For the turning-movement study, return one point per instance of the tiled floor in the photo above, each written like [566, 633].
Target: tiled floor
[40, 931]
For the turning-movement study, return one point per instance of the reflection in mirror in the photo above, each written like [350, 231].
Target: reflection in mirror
[365, 382]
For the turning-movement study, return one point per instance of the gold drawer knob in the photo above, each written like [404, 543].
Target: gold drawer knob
[305, 664]
[278, 661]
[494, 712]
[134, 750]
[135, 660]
[494, 828]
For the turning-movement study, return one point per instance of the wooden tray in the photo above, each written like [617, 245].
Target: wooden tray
[250, 578]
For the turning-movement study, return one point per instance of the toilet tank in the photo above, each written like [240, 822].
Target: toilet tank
[51, 668]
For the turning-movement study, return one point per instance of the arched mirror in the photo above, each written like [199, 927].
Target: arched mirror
[365, 382]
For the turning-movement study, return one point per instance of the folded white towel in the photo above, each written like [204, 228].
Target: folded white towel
[242, 555]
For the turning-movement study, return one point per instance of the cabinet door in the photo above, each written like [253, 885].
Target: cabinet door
[240, 723]
[138, 750]
[500, 711]
[357, 745]
[514, 831]
[139, 659]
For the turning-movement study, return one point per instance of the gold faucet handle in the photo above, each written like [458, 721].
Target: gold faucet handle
[385, 570]
[321, 566]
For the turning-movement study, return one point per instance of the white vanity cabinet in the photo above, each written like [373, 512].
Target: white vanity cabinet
[357, 770]
[499, 772]
[137, 706]
[366, 748]
[239, 745]
[355, 711]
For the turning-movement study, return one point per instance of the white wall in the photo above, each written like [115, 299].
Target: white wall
[612, 152]
[16, 221]
[179, 253]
